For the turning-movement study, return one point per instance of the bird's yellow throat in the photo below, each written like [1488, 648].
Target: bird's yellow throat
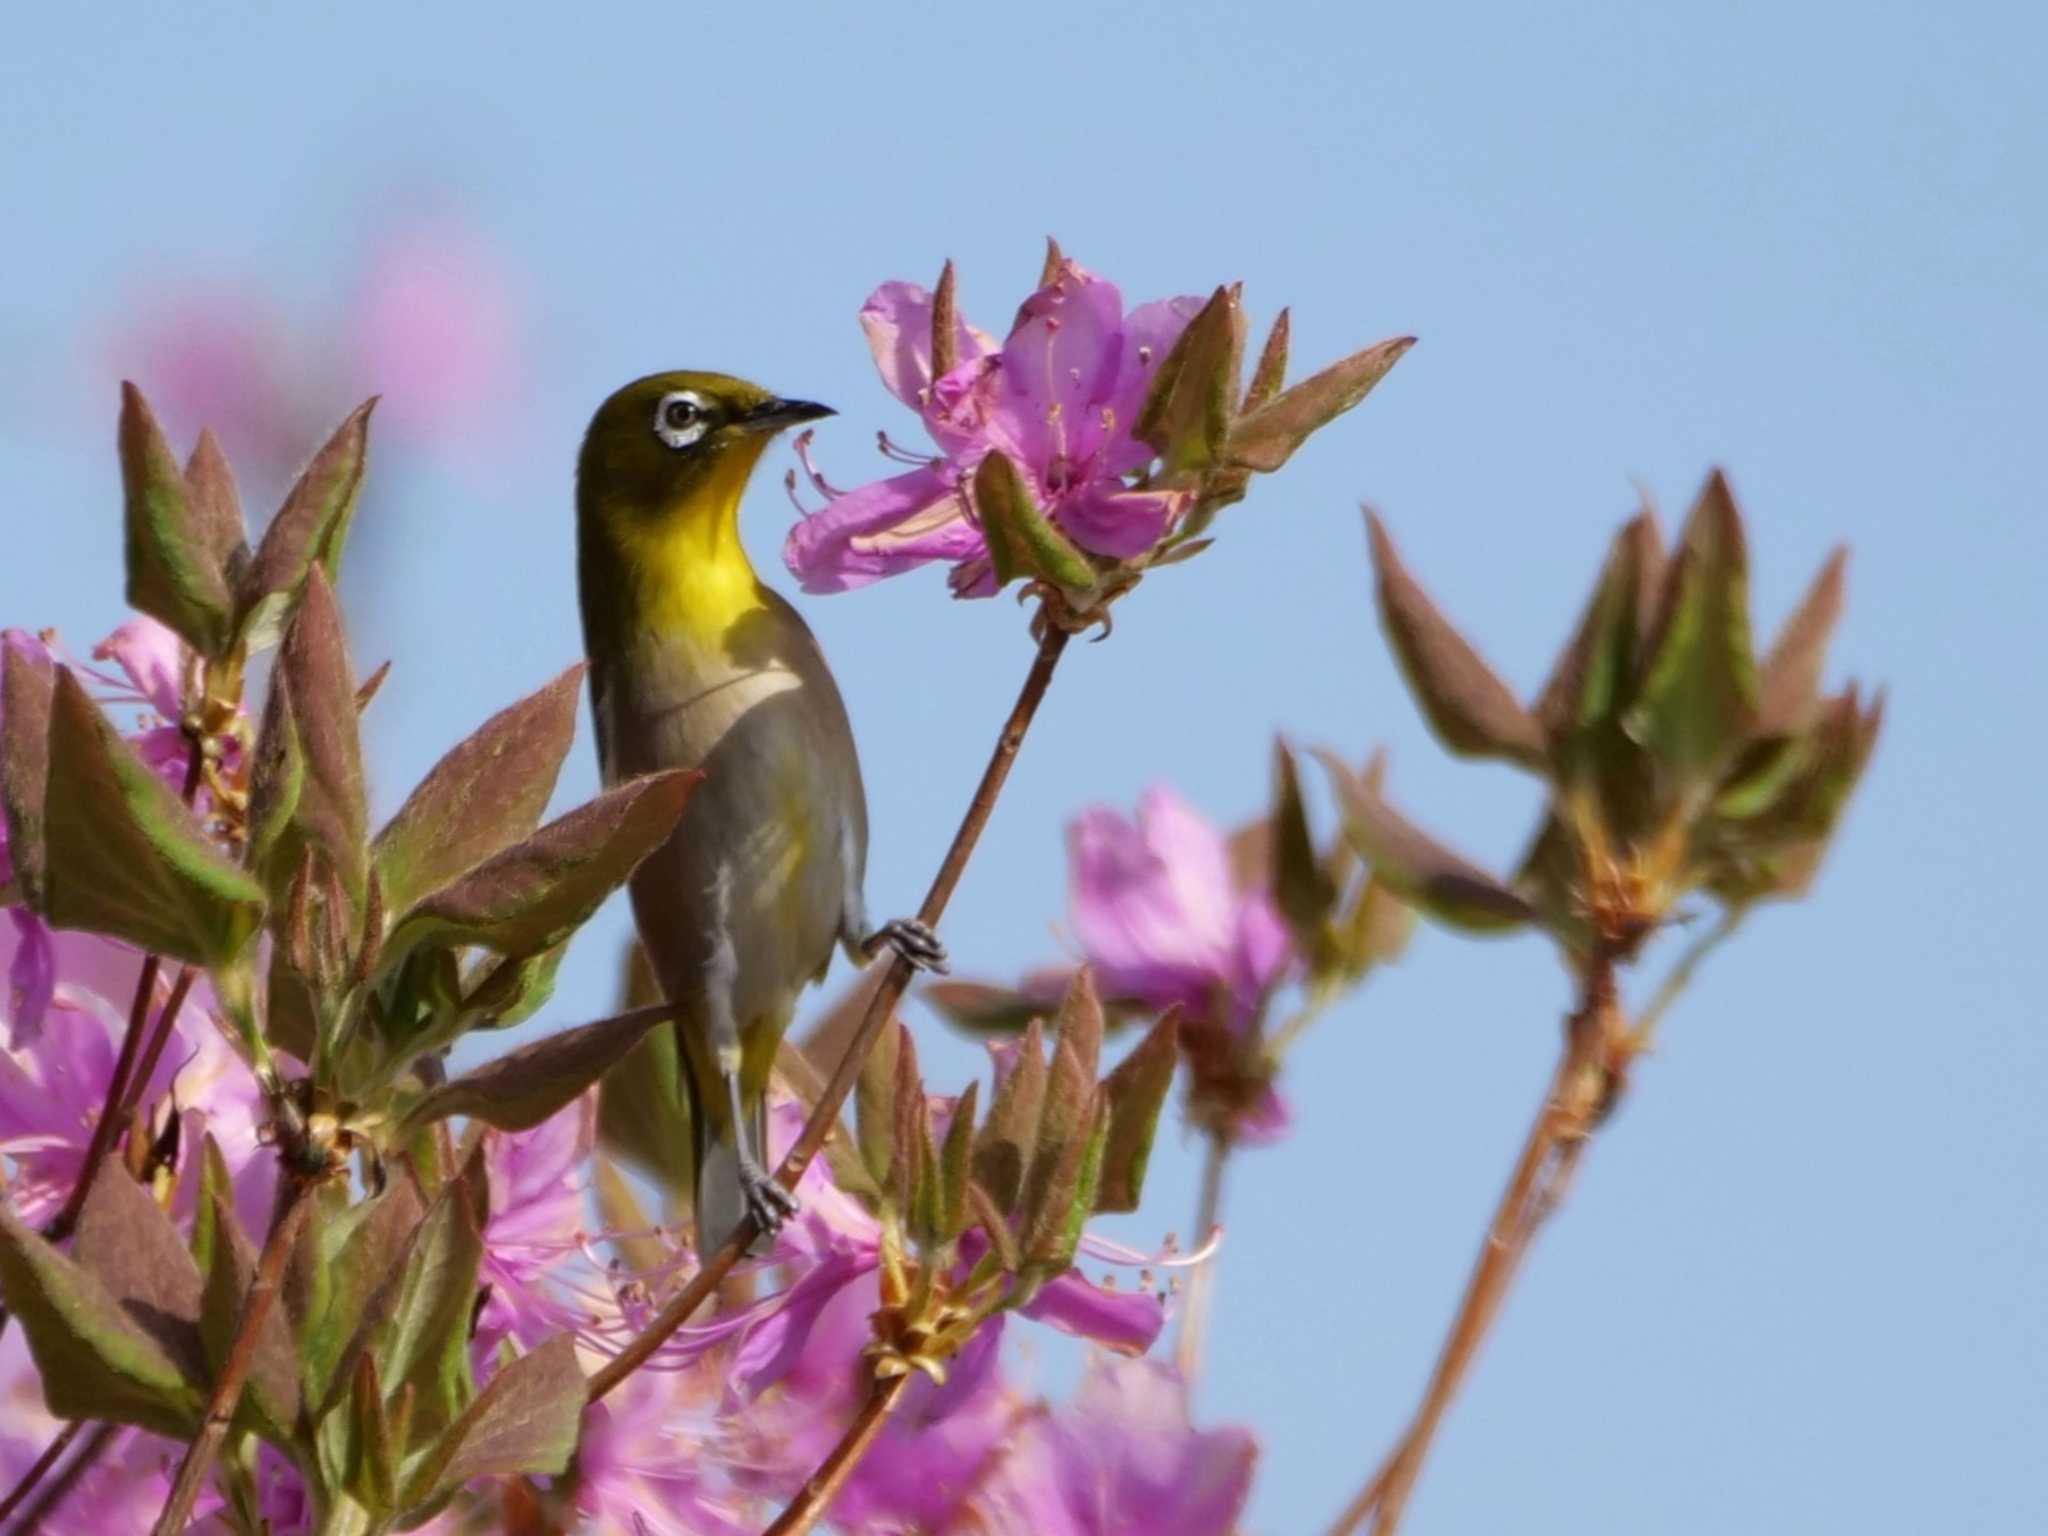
[683, 567]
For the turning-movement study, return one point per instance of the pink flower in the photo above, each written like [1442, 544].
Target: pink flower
[536, 1235]
[1060, 398]
[1122, 1460]
[66, 1005]
[434, 326]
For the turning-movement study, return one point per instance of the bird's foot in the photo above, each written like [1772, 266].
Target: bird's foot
[912, 940]
[767, 1202]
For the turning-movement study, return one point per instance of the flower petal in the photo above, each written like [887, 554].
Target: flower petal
[879, 529]
[1058, 366]
[1109, 520]
[154, 659]
[1151, 903]
[1125, 1321]
[31, 979]
[898, 320]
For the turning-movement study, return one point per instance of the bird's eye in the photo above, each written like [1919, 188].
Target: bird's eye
[680, 419]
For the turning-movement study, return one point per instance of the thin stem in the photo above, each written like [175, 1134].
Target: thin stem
[1194, 1320]
[41, 1469]
[825, 1113]
[111, 1119]
[824, 1484]
[36, 1517]
[227, 1388]
[1562, 1122]
[166, 1022]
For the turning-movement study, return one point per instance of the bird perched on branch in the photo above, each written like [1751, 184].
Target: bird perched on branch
[695, 664]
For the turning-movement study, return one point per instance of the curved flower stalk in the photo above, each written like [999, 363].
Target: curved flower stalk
[1677, 761]
[1169, 912]
[1089, 445]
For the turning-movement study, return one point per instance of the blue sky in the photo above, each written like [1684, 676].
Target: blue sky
[1799, 1285]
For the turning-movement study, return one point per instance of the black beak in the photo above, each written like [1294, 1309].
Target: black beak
[774, 415]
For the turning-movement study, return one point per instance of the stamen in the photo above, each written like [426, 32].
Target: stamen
[891, 449]
[803, 455]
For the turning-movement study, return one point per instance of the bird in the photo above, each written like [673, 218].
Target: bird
[695, 663]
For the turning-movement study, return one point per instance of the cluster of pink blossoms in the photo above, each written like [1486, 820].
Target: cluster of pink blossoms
[731, 1417]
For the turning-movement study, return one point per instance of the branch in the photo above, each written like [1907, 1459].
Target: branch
[52, 1454]
[825, 1113]
[1549, 1155]
[825, 1483]
[38, 1514]
[227, 1389]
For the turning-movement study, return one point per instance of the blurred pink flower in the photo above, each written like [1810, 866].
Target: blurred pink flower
[434, 326]
[1060, 399]
[1161, 918]
[536, 1235]
[431, 323]
[66, 1005]
[1122, 1460]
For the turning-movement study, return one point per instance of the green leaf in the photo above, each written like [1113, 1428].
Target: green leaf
[1471, 710]
[1788, 686]
[271, 1403]
[874, 1103]
[520, 1090]
[991, 1220]
[1186, 418]
[361, 1454]
[1135, 1093]
[1270, 372]
[910, 1131]
[1062, 1122]
[1003, 1145]
[425, 1343]
[176, 571]
[982, 1008]
[1589, 686]
[1021, 540]
[343, 1284]
[955, 1166]
[1302, 887]
[217, 506]
[128, 1244]
[484, 795]
[124, 856]
[1056, 1216]
[94, 1360]
[309, 529]
[523, 1423]
[277, 778]
[513, 991]
[1374, 932]
[535, 894]
[1080, 1021]
[333, 801]
[1264, 439]
[27, 681]
[1776, 851]
[1697, 700]
[1442, 883]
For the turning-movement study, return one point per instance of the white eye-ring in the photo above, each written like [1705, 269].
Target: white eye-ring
[681, 418]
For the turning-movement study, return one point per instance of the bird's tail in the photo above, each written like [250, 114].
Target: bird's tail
[720, 1201]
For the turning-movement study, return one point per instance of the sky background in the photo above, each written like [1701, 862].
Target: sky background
[1798, 1287]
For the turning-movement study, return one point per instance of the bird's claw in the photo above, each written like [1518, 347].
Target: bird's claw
[767, 1202]
[912, 940]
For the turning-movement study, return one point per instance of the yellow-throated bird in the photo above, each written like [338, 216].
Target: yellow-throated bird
[695, 664]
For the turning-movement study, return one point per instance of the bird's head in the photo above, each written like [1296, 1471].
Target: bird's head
[679, 445]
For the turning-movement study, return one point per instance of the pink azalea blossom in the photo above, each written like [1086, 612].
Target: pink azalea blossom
[1159, 914]
[65, 1008]
[1060, 397]
[1122, 1460]
[537, 1233]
